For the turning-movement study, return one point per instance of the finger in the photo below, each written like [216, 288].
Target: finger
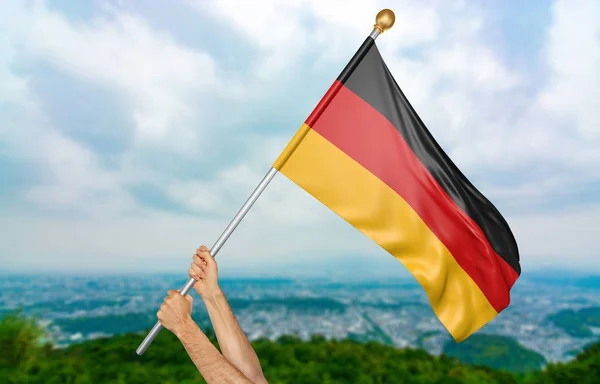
[197, 271]
[199, 261]
[206, 256]
[202, 262]
[172, 292]
[193, 273]
[189, 298]
[203, 251]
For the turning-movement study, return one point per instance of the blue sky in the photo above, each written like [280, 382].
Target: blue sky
[131, 132]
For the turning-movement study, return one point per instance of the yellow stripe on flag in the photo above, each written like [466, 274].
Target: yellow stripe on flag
[372, 207]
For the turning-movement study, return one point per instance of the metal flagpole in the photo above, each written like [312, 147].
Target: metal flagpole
[383, 21]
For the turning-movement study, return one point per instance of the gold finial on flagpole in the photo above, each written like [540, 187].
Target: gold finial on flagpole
[384, 20]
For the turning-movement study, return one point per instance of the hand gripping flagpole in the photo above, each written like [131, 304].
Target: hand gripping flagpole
[383, 21]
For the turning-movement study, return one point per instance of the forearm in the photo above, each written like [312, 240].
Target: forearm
[211, 364]
[233, 341]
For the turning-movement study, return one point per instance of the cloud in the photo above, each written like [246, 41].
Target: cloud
[158, 80]
[558, 136]
[156, 76]
[573, 55]
[203, 134]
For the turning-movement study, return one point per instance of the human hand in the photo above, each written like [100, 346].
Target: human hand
[204, 270]
[175, 313]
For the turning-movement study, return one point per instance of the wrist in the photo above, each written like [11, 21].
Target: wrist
[186, 326]
[212, 295]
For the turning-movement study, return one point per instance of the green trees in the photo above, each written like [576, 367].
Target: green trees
[584, 369]
[20, 346]
[495, 351]
[577, 323]
[24, 358]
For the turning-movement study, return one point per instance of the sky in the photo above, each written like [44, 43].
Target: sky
[131, 132]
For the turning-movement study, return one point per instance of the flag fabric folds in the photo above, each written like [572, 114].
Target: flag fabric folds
[366, 155]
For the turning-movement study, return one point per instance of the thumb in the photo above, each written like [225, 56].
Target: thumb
[206, 254]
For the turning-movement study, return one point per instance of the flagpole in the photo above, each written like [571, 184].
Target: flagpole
[383, 21]
[215, 249]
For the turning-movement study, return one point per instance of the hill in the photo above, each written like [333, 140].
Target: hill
[584, 369]
[577, 323]
[25, 359]
[499, 352]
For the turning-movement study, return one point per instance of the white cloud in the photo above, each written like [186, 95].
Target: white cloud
[78, 181]
[471, 98]
[562, 127]
[574, 57]
[294, 35]
[157, 76]
[162, 83]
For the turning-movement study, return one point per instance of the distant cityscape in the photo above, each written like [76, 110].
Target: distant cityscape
[76, 308]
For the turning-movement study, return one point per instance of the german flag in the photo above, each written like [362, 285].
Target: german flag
[366, 155]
